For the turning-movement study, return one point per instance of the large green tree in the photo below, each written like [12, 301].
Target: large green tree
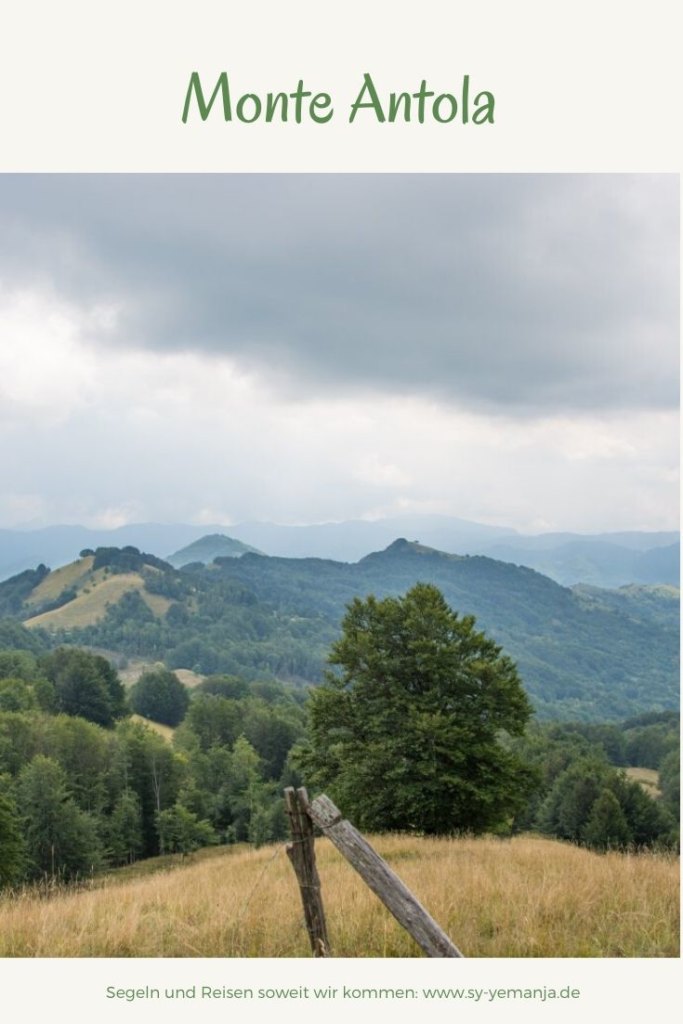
[86, 685]
[146, 764]
[409, 731]
[124, 829]
[181, 832]
[61, 839]
[160, 695]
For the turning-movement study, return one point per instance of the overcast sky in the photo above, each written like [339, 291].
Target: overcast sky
[307, 348]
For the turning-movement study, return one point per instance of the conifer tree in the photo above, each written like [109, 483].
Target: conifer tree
[607, 827]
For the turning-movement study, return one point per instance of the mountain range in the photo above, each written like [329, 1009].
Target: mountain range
[583, 652]
[603, 559]
[207, 549]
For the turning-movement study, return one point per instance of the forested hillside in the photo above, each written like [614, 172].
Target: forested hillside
[206, 549]
[583, 653]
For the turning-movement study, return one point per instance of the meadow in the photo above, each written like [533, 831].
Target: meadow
[521, 897]
[92, 602]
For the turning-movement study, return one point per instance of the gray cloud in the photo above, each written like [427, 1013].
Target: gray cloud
[518, 293]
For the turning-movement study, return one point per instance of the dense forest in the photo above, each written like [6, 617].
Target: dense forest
[86, 784]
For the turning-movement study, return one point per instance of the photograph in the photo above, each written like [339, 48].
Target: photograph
[339, 567]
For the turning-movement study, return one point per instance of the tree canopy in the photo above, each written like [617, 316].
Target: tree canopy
[85, 685]
[408, 732]
[12, 845]
[160, 695]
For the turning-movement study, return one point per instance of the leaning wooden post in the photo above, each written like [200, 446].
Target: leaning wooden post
[377, 874]
[301, 852]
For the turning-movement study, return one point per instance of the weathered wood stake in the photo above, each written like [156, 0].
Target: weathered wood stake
[301, 852]
[377, 874]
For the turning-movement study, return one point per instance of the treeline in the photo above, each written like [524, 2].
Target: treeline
[13, 592]
[582, 793]
[85, 787]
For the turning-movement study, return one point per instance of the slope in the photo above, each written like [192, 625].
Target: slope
[206, 549]
[80, 594]
[586, 653]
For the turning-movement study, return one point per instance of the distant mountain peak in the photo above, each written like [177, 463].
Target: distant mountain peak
[210, 547]
[402, 546]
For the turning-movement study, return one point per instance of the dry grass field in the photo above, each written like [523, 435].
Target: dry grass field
[166, 731]
[92, 601]
[59, 579]
[136, 666]
[525, 897]
[648, 779]
[188, 678]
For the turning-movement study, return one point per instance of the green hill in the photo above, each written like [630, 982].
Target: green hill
[582, 653]
[91, 602]
[206, 549]
[80, 594]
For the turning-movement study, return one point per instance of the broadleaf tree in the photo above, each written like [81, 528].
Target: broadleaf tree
[408, 730]
[12, 846]
[159, 694]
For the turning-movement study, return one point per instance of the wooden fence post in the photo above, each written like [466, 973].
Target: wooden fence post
[301, 852]
[377, 874]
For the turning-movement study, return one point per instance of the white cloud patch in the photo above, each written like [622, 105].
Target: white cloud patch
[44, 366]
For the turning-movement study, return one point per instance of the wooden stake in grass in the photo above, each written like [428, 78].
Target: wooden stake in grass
[301, 852]
[377, 874]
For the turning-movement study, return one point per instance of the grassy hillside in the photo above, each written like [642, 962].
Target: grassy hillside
[648, 779]
[525, 897]
[136, 667]
[166, 731]
[55, 583]
[95, 594]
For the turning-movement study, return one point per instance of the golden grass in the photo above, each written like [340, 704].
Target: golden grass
[525, 897]
[91, 604]
[648, 779]
[135, 668]
[67, 576]
[188, 677]
[166, 731]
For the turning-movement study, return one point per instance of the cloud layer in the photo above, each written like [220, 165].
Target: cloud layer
[312, 347]
[514, 292]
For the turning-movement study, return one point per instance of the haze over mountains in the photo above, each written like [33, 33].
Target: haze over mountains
[207, 549]
[604, 559]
